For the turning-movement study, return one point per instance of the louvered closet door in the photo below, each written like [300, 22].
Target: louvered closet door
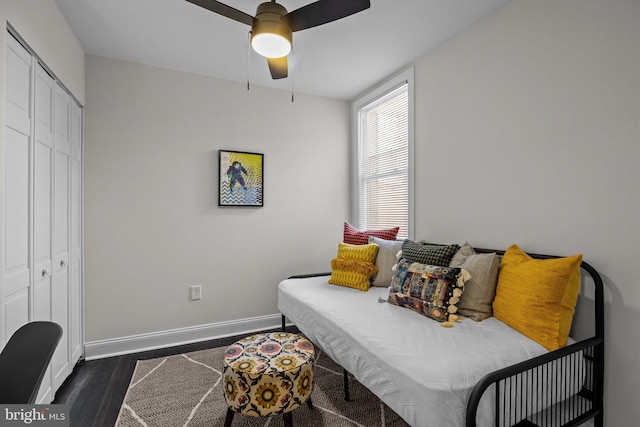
[15, 259]
[42, 206]
[60, 290]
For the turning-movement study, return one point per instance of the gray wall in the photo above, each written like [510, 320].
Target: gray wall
[152, 224]
[528, 132]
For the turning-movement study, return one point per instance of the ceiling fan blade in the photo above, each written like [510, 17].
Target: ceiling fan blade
[224, 10]
[279, 67]
[323, 11]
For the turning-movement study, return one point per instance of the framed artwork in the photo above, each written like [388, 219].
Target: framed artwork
[240, 178]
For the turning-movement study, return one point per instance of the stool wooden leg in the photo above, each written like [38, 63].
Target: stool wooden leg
[229, 418]
[287, 419]
[310, 403]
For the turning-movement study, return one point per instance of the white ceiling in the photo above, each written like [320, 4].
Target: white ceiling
[338, 60]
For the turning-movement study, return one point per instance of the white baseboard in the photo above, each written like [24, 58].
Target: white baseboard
[153, 340]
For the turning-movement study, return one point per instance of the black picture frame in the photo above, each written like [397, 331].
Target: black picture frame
[240, 178]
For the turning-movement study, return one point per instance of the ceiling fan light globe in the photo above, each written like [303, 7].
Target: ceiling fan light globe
[271, 45]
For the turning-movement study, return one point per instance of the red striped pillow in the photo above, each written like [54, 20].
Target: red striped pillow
[353, 236]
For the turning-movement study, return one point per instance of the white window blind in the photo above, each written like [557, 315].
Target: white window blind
[383, 166]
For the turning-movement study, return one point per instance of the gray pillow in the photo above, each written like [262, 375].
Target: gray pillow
[385, 260]
[480, 291]
[462, 254]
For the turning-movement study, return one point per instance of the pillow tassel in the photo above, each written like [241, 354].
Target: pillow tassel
[464, 277]
[451, 319]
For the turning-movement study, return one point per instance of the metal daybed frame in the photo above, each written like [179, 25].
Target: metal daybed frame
[545, 376]
[549, 372]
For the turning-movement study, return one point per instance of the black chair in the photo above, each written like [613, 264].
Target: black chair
[24, 361]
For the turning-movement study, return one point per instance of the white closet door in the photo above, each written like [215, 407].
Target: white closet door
[42, 206]
[60, 290]
[75, 255]
[43, 156]
[15, 260]
[41, 210]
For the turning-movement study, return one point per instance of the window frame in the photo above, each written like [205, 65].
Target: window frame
[378, 91]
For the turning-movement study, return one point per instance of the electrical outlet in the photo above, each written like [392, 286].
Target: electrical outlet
[196, 292]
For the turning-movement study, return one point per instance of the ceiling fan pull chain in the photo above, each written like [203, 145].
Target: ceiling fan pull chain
[248, 59]
[292, 74]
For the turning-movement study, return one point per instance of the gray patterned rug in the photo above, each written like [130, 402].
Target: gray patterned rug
[186, 390]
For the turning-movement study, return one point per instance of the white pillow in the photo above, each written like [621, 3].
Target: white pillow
[385, 260]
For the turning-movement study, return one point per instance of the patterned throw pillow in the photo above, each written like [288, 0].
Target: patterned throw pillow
[353, 236]
[428, 254]
[354, 266]
[433, 291]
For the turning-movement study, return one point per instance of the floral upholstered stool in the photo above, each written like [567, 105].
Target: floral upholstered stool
[268, 374]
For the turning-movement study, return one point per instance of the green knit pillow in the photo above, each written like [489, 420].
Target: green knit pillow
[428, 254]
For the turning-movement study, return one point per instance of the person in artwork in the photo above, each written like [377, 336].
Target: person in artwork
[234, 173]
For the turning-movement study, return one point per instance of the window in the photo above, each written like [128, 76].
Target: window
[383, 178]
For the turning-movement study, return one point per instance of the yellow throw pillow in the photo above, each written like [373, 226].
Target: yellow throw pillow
[354, 266]
[538, 297]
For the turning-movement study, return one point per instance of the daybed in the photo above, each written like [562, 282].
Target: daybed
[481, 373]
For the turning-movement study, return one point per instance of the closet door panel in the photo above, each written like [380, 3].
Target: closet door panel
[16, 311]
[75, 253]
[18, 88]
[61, 180]
[42, 193]
[60, 290]
[16, 256]
[42, 208]
[75, 312]
[16, 269]
[60, 315]
[42, 232]
[42, 311]
[61, 211]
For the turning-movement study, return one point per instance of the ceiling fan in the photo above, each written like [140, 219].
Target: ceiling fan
[272, 27]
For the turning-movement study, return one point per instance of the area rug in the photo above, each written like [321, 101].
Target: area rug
[186, 390]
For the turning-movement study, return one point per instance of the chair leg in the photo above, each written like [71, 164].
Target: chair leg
[346, 384]
[287, 419]
[229, 418]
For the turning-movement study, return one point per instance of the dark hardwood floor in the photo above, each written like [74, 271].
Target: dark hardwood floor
[96, 388]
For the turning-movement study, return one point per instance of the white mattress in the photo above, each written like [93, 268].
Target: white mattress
[423, 371]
